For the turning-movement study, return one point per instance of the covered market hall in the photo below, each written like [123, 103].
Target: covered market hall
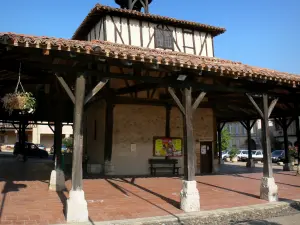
[144, 90]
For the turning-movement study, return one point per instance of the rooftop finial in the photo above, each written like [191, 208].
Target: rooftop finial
[134, 4]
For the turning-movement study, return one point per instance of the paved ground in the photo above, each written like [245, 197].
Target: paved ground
[284, 220]
[25, 197]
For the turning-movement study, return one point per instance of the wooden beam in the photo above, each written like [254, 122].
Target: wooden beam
[176, 99]
[51, 128]
[198, 101]
[78, 133]
[66, 87]
[244, 124]
[255, 105]
[95, 90]
[254, 121]
[271, 107]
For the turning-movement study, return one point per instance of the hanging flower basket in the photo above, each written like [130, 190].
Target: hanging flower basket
[21, 101]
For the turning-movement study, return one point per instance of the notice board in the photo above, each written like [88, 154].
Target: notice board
[167, 146]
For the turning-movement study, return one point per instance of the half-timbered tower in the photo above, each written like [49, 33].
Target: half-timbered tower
[139, 29]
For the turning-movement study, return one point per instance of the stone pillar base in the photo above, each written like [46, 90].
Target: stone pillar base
[109, 168]
[298, 170]
[250, 163]
[288, 167]
[57, 180]
[77, 210]
[268, 189]
[189, 197]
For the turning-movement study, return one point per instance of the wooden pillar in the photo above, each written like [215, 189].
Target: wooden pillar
[109, 122]
[23, 137]
[285, 139]
[190, 199]
[168, 117]
[189, 165]
[78, 133]
[297, 133]
[20, 137]
[58, 142]
[248, 126]
[284, 124]
[146, 10]
[266, 145]
[219, 131]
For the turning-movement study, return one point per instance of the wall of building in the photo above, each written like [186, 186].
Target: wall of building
[137, 125]
[42, 134]
[94, 132]
[141, 33]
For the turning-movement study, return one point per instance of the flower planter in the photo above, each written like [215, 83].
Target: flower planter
[234, 159]
[20, 101]
[227, 159]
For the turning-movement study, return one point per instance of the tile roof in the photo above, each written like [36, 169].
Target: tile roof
[100, 10]
[177, 59]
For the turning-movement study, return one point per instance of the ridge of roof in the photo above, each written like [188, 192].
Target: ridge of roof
[90, 20]
[112, 50]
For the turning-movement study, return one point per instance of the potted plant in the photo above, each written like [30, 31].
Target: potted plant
[233, 155]
[20, 101]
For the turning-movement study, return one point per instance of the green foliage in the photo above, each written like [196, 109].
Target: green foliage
[68, 142]
[225, 139]
[233, 152]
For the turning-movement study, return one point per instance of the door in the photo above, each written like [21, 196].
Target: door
[206, 157]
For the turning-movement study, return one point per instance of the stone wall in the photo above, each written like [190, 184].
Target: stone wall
[94, 132]
[134, 129]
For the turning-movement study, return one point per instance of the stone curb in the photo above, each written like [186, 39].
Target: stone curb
[213, 217]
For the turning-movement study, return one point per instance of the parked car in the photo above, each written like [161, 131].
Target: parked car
[63, 149]
[32, 150]
[41, 146]
[242, 155]
[225, 154]
[278, 156]
[257, 155]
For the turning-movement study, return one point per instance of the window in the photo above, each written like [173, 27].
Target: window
[236, 129]
[163, 39]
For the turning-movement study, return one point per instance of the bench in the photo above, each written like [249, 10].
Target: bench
[164, 164]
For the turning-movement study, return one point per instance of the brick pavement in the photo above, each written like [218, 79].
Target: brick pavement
[30, 202]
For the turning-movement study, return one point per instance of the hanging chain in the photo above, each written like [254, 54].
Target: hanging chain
[19, 81]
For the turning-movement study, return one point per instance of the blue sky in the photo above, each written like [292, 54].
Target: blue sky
[263, 33]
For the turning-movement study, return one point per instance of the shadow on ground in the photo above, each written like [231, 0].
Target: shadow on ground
[255, 222]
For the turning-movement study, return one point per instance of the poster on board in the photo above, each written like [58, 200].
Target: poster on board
[167, 146]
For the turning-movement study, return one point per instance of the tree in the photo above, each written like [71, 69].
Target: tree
[225, 139]
[68, 142]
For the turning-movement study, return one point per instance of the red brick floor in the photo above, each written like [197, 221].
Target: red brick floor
[30, 202]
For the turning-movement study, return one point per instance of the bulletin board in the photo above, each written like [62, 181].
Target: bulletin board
[163, 146]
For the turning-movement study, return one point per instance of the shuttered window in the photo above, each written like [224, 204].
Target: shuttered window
[164, 39]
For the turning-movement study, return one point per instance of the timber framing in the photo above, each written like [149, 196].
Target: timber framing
[139, 76]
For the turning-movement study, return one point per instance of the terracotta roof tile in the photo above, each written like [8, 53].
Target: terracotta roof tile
[178, 59]
[100, 10]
